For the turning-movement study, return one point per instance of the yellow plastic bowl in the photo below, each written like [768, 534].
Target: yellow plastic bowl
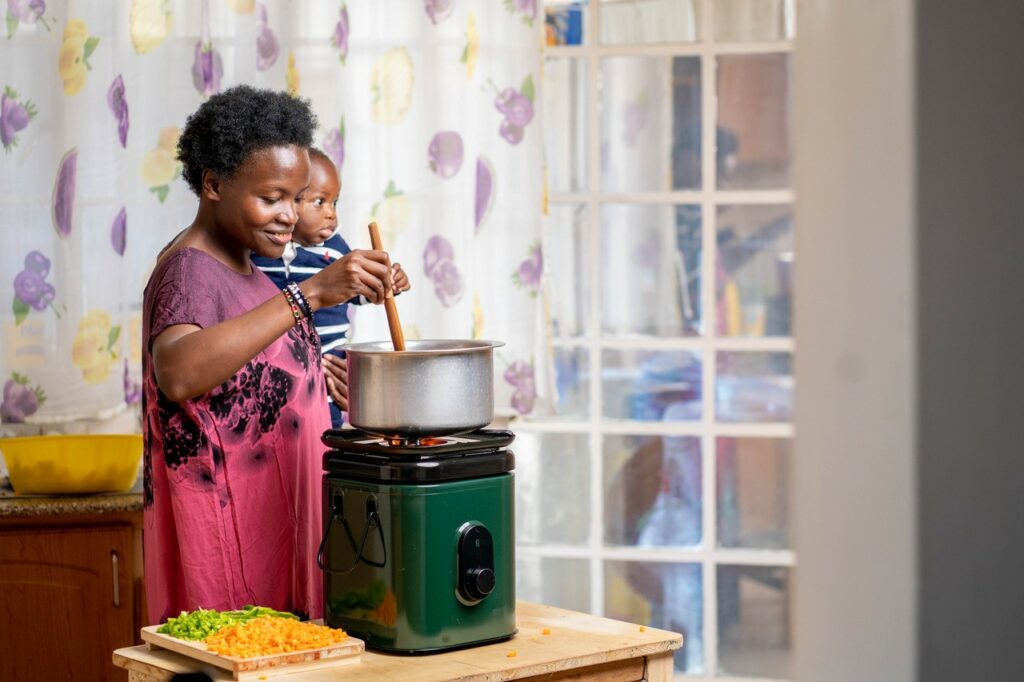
[72, 464]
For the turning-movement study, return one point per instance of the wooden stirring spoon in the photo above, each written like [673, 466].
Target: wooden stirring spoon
[394, 326]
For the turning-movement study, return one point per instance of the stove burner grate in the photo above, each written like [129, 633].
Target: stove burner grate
[355, 441]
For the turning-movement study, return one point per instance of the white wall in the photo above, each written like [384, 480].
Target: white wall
[854, 502]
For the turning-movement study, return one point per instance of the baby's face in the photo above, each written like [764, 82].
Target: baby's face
[318, 218]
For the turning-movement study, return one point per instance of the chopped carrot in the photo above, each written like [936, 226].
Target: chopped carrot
[511, 654]
[271, 635]
[643, 629]
[546, 631]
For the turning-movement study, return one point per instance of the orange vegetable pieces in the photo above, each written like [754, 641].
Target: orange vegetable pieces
[511, 654]
[546, 631]
[271, 635]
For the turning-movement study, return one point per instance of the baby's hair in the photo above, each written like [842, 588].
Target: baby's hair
[228, 127]
[315, 153]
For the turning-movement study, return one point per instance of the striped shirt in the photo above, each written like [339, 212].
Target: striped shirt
[299, 264]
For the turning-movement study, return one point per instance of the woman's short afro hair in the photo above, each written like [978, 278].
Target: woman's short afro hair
[228, 127]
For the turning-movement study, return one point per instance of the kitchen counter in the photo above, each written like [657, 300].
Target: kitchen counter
[13, 504]
[578, 646]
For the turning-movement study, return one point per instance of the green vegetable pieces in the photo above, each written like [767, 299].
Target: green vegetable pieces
[201, 623]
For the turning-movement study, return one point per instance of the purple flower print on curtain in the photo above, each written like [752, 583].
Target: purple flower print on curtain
[526, 8]
[118, 232]
[266, 42]
[517, 106]
[528, 274]
[439, 10]
[445, 153]
[14, 117]
[334, 145]
[207, 69]
[439, 266]
[31, 290]
[520, 375]
[25, 12]
[340, 37]
[64, 192]
[132, 390]
[484, 191]
[119, 107]
[19, 399]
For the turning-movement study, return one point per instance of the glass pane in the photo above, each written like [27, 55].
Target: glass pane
[566, 242]
[650, 124]
[560, 582]
[753, 20]
[752, 480]
[553, 487]
[572, 379]
[652, 491]
[626, 22]
[650, 270]
[754, 387]
[753, 121]
[565, 22]
[565, 123]
[651, 385]
[754, 637]
[755, 270]
[662, 595]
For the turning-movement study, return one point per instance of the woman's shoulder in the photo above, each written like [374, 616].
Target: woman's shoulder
[185, 266]
[177, 261]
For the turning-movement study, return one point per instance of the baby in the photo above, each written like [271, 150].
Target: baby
[316, 243]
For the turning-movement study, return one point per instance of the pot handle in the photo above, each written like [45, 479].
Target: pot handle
[372, 519]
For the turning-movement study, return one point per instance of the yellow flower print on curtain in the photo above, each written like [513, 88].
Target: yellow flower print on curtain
[292, 78]
[159, 167]
[73, 60]
[472, 49]
[391, 83]
[92, 350]
[149, 24]
[243, 6]
[391, 213]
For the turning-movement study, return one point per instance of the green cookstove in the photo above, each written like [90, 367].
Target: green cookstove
[418, 551]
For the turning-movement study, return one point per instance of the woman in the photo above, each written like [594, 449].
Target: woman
[233, 381]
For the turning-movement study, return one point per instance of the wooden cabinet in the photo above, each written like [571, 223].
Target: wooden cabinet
[71, 594]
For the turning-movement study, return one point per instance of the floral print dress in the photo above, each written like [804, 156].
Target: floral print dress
[232, 478]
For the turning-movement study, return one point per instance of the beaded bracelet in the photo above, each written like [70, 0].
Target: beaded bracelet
[295, 308]
[300, 298]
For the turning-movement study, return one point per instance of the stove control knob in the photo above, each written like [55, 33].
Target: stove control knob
[480, 582]
[476, 564]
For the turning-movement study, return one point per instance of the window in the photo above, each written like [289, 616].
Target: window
[658, 491]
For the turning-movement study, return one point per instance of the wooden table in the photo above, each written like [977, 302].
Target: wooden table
[578, 647]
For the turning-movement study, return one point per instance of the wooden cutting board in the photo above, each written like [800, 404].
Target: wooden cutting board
[258, 667]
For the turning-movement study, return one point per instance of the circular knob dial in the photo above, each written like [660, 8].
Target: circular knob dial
[480, 583]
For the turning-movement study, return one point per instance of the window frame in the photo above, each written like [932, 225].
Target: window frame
[710, 198]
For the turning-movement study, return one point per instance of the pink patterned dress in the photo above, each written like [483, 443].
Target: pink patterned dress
[232, 478]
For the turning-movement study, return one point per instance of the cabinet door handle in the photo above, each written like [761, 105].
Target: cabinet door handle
[117, 583]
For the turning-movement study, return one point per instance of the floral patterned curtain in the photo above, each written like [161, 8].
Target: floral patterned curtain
[428, 108]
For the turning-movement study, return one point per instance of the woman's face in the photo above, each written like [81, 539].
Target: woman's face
[318, 218]
[257, 207]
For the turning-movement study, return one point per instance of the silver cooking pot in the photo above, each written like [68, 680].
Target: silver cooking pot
[432, 388]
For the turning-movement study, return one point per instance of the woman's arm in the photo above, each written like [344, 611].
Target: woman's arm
[189, 361]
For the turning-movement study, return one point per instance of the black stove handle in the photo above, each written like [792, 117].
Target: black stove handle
[372, 519]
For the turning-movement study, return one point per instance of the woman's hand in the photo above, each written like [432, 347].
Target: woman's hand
[357, 273]
[399, 280]
[336, 374]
